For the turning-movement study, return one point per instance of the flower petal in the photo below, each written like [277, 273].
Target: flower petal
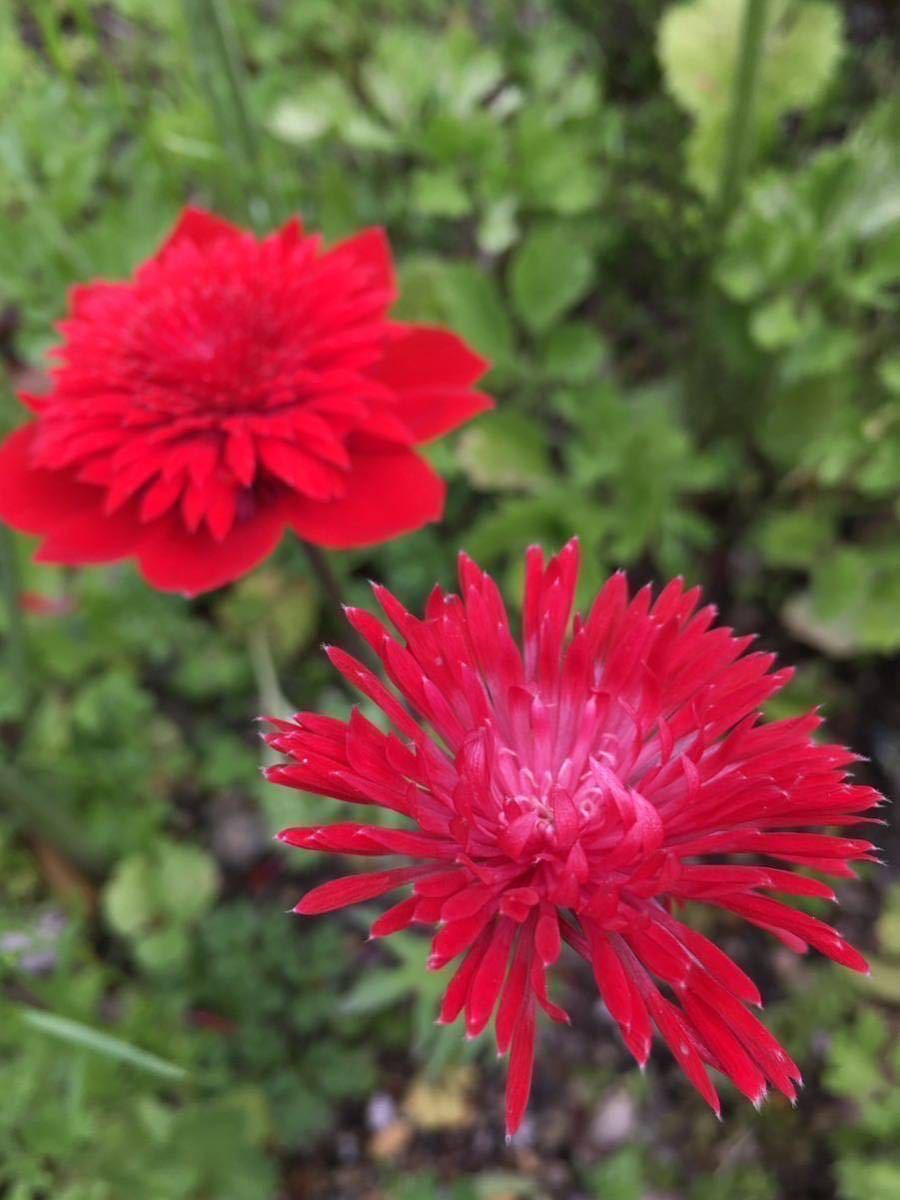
[430, 414]
[521, 1067]
[200, 227]
[372, 250]
[352, 889]
[174, 560]
[422, 356]
[93, 537]
[387, 495]
[35, 499]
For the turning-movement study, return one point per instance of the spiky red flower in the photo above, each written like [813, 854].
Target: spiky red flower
[578, 791]
[233, 387]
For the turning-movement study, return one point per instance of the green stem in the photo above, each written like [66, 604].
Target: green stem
[54, 46]
[332, 591]
[217, 62]
[115, 86]
[218, 59]
[271, 698]
[327, 579]
[703, 369]
[17, 654]
[223, 32]
[743, 97]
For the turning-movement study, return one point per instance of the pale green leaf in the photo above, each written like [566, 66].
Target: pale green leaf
[85, 1037]
[504, 452]
[699, 48]
[550, 273]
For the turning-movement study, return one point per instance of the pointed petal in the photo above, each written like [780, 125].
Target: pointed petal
[371, 251]
[352, 889]
[199, 226]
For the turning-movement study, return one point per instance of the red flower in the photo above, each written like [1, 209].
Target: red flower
[577, 792]
[232, 388]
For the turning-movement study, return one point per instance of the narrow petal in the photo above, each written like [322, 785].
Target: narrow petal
[489, 977]
[352, 889]
[521, 1069]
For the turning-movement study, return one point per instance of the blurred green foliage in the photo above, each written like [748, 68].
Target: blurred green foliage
[689, 392]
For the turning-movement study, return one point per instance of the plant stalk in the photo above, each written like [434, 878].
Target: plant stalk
[16, 644]
[333, 592]
[702, 369]
[225, 41]
[743, 99]
[217, 58]
[217, 61]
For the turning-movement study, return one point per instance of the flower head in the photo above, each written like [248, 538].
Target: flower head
[233, 387]
[579, 790]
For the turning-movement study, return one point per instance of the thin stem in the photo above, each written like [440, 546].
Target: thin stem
[271, 697]
[54, 48]
[703, 368]
[217, 62]
[333, 593]
[115, 86]
[743, 98]
[328, 580]
[17, 653]
[226, 43]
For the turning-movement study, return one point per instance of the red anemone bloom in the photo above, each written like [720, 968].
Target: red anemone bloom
[577, 791]
[233, 387]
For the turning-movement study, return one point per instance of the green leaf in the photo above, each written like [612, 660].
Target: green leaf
[439, 194]
[187, 881]
[74, 1033]
[778, 323]
[163, 950]
[505, 451]
[889, 372]
[169, 886]
[794, 539]
[499, 227]
[699, 45]
[620, 1176]
[550, 273]
[377, 990]
[574, 352]
[127, 898]
[475, 309]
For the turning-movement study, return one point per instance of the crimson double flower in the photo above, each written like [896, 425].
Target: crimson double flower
[233, 388]
[579, 790]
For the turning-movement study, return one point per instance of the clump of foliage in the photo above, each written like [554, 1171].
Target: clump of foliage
[696, 370]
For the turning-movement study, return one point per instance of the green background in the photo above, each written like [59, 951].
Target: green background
[691, 307]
